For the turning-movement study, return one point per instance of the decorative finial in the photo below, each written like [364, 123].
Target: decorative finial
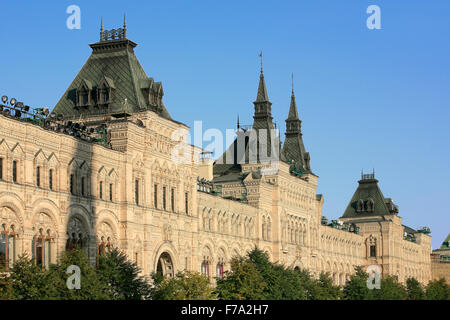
[292, 83]
[238, 126]
[260, 56]
[101, 28]
[124, 25]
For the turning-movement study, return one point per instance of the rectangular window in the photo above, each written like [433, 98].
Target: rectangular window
[71, 184]
[186, 203]
[47, 253]
[2, 249]
[100, 190]
[39, 251]
[11, 250]
[373, 251]
[14, 171]
[136, 191]
[155, 195]
[164, 197]
[1, 168]
[50, 179]
[38, 176]
[172, 199]
[111, 192]
[83, 188]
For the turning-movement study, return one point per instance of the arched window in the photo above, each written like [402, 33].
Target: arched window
[360, 205]
[219, 270]
[71, 184]
[38, 176]
[136, 191]
[205, 267]
[83, 186]
[1, 168]
[100, 190]
[42, 248]
[14, 171]
[104, 246]
[372, 247]
[370, 205]
[7, 246]
[50, 179]
[164, 198]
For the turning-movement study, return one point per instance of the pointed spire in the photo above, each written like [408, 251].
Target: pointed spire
[292, 83]
[238, 125]
[262, 95]
[124, 25]
[260, 56]
[293, 113]
[101, 28]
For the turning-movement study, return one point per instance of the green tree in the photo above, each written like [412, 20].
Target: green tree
[122, 277]
[29, 281]
[356, 287]
[281, 283]
[6, 289]
[437, 290]
[244, 282]
[414, 289]
[326, 289]
[93, 287]
[311, 285]
[390, 289]
[186, 285]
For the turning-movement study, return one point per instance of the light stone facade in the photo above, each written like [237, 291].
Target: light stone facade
[135, 196]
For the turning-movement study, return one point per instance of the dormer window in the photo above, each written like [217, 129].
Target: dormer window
[84, 94]
[105, 91]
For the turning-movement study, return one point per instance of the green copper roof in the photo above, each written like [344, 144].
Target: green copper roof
[114, 63]
[368, 200]
[262, 121]
[293, 113]
[446, 244]
[293, 147]
[262, 95]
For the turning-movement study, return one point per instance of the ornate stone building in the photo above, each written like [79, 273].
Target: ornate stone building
[108, 171]
[440, 261]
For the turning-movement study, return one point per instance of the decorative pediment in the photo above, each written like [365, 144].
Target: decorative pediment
[113, 174]
[53, 159]
[4, 147]
[17, 149]
[84, 167]
[40, 156]
[102, 172]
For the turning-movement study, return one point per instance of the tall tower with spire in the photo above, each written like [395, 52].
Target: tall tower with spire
[263, 121]
[293, 147]
[263, 107]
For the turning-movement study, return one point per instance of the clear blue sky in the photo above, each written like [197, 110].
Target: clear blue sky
[368, 98]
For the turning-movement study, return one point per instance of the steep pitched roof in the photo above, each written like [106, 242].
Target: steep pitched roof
[262, 95]
[293, 147]
[236, 154]
[446, 244]
[368, 200]
[115, 61]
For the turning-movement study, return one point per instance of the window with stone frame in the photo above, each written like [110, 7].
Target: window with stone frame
[84, 94]
[7, 246]
[1, 168]
[105, 91]
[15, 171]
[42, 247]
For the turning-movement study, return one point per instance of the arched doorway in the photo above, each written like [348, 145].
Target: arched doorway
[165, 265]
